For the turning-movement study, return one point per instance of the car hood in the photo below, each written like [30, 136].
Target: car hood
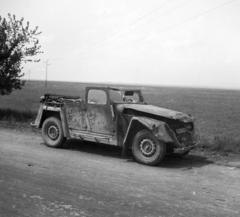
[160, 112]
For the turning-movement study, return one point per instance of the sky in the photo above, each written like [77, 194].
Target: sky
[150, 42]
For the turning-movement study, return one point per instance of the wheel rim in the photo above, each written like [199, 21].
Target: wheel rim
[148, 147]
[53, 132]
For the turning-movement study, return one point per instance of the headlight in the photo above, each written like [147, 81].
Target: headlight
[189, 126]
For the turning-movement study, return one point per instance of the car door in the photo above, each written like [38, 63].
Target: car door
[76, 116]
[99, 112]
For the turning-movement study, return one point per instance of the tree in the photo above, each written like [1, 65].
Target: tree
[18, 44]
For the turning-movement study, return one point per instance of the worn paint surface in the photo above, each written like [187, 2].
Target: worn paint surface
[160, 111]
[91, 117]
[100, 119]
[76, 116]
[91, 122]
[158, 128]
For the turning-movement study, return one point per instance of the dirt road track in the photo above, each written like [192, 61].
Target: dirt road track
[84, 180]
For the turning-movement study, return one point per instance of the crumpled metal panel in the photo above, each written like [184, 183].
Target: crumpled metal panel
[160, 111]
[159, 129]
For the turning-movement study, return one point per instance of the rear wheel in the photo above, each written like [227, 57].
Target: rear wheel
[52, 132]
[147, 149]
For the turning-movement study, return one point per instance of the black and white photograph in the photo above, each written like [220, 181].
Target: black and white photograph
[119, 108]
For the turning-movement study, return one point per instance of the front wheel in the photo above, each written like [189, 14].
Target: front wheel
[147, 149]
[52, 132]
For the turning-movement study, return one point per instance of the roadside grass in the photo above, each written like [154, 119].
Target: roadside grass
[217, 111]
[222, 144]
[12, 115]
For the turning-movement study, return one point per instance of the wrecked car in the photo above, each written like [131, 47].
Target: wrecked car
[118, 117]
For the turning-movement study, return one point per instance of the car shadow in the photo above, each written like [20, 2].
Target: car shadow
[184, 163]
[187, 162]
[174, 162]
[93, 148]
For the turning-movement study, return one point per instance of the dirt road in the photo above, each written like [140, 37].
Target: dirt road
[85, 180]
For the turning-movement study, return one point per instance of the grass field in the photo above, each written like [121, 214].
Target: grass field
[217, 111]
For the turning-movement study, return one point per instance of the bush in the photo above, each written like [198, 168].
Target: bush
[226, 144]
[222, 144]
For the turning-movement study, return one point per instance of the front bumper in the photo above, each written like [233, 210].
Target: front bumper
[185, 149]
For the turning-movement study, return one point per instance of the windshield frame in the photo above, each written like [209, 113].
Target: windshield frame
[122, 92]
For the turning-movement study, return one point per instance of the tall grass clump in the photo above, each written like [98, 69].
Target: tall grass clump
[13, 115]
[222, 144]
[226, 144]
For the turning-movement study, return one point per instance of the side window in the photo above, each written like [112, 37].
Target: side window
[97, 97]
[116, 96]
[131, 97]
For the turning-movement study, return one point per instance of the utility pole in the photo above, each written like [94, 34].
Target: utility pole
[47, 64]
[29, 72]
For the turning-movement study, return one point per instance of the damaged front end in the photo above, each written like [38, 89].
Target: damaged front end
[175, 129]
[185, 139]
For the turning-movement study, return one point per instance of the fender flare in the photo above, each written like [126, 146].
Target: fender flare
[37, 122]
[159, 129]
[64, 122]
[62, 115]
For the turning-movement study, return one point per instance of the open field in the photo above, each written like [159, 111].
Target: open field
[217, 111]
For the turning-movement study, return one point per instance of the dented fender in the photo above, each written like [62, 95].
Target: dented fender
[62, 111]
[38, 119]
[64, 122]
[159, 129]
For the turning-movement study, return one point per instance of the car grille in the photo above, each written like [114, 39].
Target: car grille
[185, 139]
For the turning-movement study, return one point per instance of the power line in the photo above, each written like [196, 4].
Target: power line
[208, 11]
[148, 22]
[28, 73]
[131, 23]
[104, 39]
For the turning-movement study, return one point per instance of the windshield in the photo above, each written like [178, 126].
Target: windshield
[126, 96]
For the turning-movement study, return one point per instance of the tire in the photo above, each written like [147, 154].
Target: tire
[52, 132]
[147, 149]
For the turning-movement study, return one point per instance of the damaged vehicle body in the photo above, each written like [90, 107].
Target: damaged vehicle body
[118, 117]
